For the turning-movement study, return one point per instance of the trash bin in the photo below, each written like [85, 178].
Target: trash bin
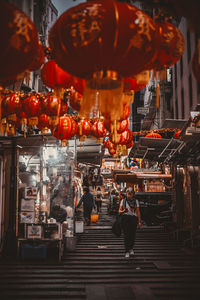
[70, 243]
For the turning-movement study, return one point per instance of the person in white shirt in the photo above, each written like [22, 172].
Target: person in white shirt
[130, 219]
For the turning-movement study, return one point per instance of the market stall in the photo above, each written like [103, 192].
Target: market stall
[45, 201]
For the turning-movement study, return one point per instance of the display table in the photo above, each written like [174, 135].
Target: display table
[58, 242]
[42, 234]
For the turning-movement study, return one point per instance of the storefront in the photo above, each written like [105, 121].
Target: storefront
[41, 204]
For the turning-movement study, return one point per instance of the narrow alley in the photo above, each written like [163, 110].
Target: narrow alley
[160, 269]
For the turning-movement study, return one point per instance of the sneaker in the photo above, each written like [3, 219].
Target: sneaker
[127, 255]
[131, 252]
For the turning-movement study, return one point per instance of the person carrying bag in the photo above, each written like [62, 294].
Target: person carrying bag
[130, 219]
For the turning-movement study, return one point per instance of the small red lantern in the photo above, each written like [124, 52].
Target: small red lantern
[177, 134]
[43, 123]
[63, 130]
[126, 137]
[19, 41]
[55, 77]
[75, 100]
[54, 107]
[31, 106]
[153, 135]
[11, 105]
[84, 129]
[98, 131]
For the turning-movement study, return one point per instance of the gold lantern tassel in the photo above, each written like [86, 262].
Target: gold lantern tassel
[157, 95]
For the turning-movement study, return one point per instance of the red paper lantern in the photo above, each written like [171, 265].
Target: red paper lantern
[170, 47]
[84, 129]
[177, 134]
[11, 106]
[63, 130]
[31, 106]
[103, 35]
[126, 112]
[75, 100]
[126, 137]
[43, 123]
[38, 59]
[19, 42]
[98, 130]
[120, 126]
[55, 77]
[153, 135]
[54, 107]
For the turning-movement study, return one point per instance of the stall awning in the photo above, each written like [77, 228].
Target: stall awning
[138, 177]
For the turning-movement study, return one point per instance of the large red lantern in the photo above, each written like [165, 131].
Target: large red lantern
[170, 47]
[31, 106]
[153, 135]
[55, 77]
[83, 43]
[63, 130]
[103, 41]
[19, 42]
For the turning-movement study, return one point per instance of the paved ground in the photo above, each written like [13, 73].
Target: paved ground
[97, 270]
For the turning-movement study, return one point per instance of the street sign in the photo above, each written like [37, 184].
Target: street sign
[142, 110]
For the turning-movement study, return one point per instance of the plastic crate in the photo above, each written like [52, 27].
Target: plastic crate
[33, 251]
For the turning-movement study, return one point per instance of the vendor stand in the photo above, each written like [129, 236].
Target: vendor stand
[45, 197]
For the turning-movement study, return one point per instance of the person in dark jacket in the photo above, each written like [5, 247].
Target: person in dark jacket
[88, 204]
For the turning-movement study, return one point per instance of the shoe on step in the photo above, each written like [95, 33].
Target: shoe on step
[127, 255]
[131, 252]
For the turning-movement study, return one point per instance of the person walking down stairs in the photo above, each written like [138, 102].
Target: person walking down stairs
[130, 219]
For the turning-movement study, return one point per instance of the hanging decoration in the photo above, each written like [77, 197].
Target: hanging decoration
[54, 107]
[84, 129]
[55, 77]
[32, 108]
[98, 131]
[19, 43]
[87, 48]
[63, 131]
[43, 123]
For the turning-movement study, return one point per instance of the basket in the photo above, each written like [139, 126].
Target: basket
[94, 218]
